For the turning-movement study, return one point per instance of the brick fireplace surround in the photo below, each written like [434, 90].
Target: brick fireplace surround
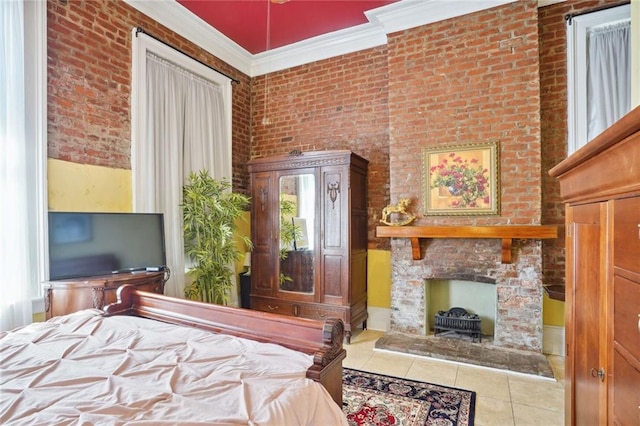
[519, 290]
[469, 80]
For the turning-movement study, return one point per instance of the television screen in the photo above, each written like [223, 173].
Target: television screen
[89, 244]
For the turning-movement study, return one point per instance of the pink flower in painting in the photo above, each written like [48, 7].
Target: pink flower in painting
[466, 179]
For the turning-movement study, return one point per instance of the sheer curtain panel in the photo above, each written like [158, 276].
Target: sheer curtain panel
[15, 263]
[608, 75]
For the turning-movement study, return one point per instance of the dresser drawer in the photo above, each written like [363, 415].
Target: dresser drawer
[626, 229]
[275, 306]
[626, 314]
[626, 379]
[297, 309]
[321, 312]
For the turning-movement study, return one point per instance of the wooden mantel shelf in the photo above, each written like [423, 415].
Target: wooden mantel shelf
[506, 233]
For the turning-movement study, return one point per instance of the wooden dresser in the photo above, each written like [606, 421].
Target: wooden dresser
[74, 294]
[600, 185]
[309, 233]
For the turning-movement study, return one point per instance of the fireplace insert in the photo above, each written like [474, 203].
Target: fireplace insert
[459, 321]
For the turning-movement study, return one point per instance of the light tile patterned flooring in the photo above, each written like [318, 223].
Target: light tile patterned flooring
[502, 397]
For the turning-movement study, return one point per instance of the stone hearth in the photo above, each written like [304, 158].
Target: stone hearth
[519, 290]
[462, 350]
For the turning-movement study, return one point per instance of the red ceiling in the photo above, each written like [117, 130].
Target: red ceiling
[245, 21]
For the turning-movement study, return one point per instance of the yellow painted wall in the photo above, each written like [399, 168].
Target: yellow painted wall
[552, 312]
[82, 187]
[244, 228]
[379, 278]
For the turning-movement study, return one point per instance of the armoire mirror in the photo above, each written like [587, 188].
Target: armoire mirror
[297, 224]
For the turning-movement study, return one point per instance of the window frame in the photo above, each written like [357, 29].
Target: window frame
[35, 55]
[577, 30]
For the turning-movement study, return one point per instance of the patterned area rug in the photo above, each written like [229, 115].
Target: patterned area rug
[375, 399]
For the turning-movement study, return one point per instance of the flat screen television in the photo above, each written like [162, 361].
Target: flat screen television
[90, 244]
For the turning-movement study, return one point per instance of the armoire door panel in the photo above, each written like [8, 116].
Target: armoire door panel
[358, 198]
[587, 299]
[334, 194]
[262, 273]
[333, 275]
[359, 238]
[358, 275]
[262, 220]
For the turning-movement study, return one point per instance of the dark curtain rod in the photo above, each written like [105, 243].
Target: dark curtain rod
[569, 17]
[140, 30]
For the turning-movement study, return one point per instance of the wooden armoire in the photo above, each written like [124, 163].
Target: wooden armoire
[600, 184]
[309, 231]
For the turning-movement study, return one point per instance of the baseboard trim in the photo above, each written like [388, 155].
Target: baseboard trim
[553, 342]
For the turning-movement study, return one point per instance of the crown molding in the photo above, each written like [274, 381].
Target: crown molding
[326, 46]
[179, 19]
[394, 17]
[407, 14]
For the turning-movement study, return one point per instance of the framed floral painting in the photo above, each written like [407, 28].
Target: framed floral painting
[462, 180]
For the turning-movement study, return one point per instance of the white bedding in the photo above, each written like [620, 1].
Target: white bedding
[86, 369]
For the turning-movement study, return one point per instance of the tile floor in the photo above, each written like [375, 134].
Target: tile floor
[502, 397]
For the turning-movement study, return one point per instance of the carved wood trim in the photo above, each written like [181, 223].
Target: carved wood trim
[312, 159]
[333, 189]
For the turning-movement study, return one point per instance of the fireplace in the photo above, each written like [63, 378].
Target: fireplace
[518, 286]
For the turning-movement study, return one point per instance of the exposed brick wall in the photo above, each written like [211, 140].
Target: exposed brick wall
[471, 79]
[89, 84]
[553, 110]
[337, 103]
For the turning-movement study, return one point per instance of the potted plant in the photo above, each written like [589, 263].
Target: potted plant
[209, 212]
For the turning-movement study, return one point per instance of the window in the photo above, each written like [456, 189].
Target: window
[599, 72]
[23, 95]
[181, 122]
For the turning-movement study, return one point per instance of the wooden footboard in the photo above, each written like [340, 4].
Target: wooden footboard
[322, 339]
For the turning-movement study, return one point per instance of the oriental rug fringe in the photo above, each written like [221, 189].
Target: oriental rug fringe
[376, 399]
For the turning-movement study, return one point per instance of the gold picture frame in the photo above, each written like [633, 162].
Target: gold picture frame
[462, 180]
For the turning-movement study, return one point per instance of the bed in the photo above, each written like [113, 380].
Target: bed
[154, 359]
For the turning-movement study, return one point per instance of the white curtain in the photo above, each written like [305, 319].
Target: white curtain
[15, 253]
[608, 75]
[185, 132]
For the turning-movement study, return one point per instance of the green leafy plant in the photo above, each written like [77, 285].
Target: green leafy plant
[289, 232]
[209, 212]
[462, 178]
